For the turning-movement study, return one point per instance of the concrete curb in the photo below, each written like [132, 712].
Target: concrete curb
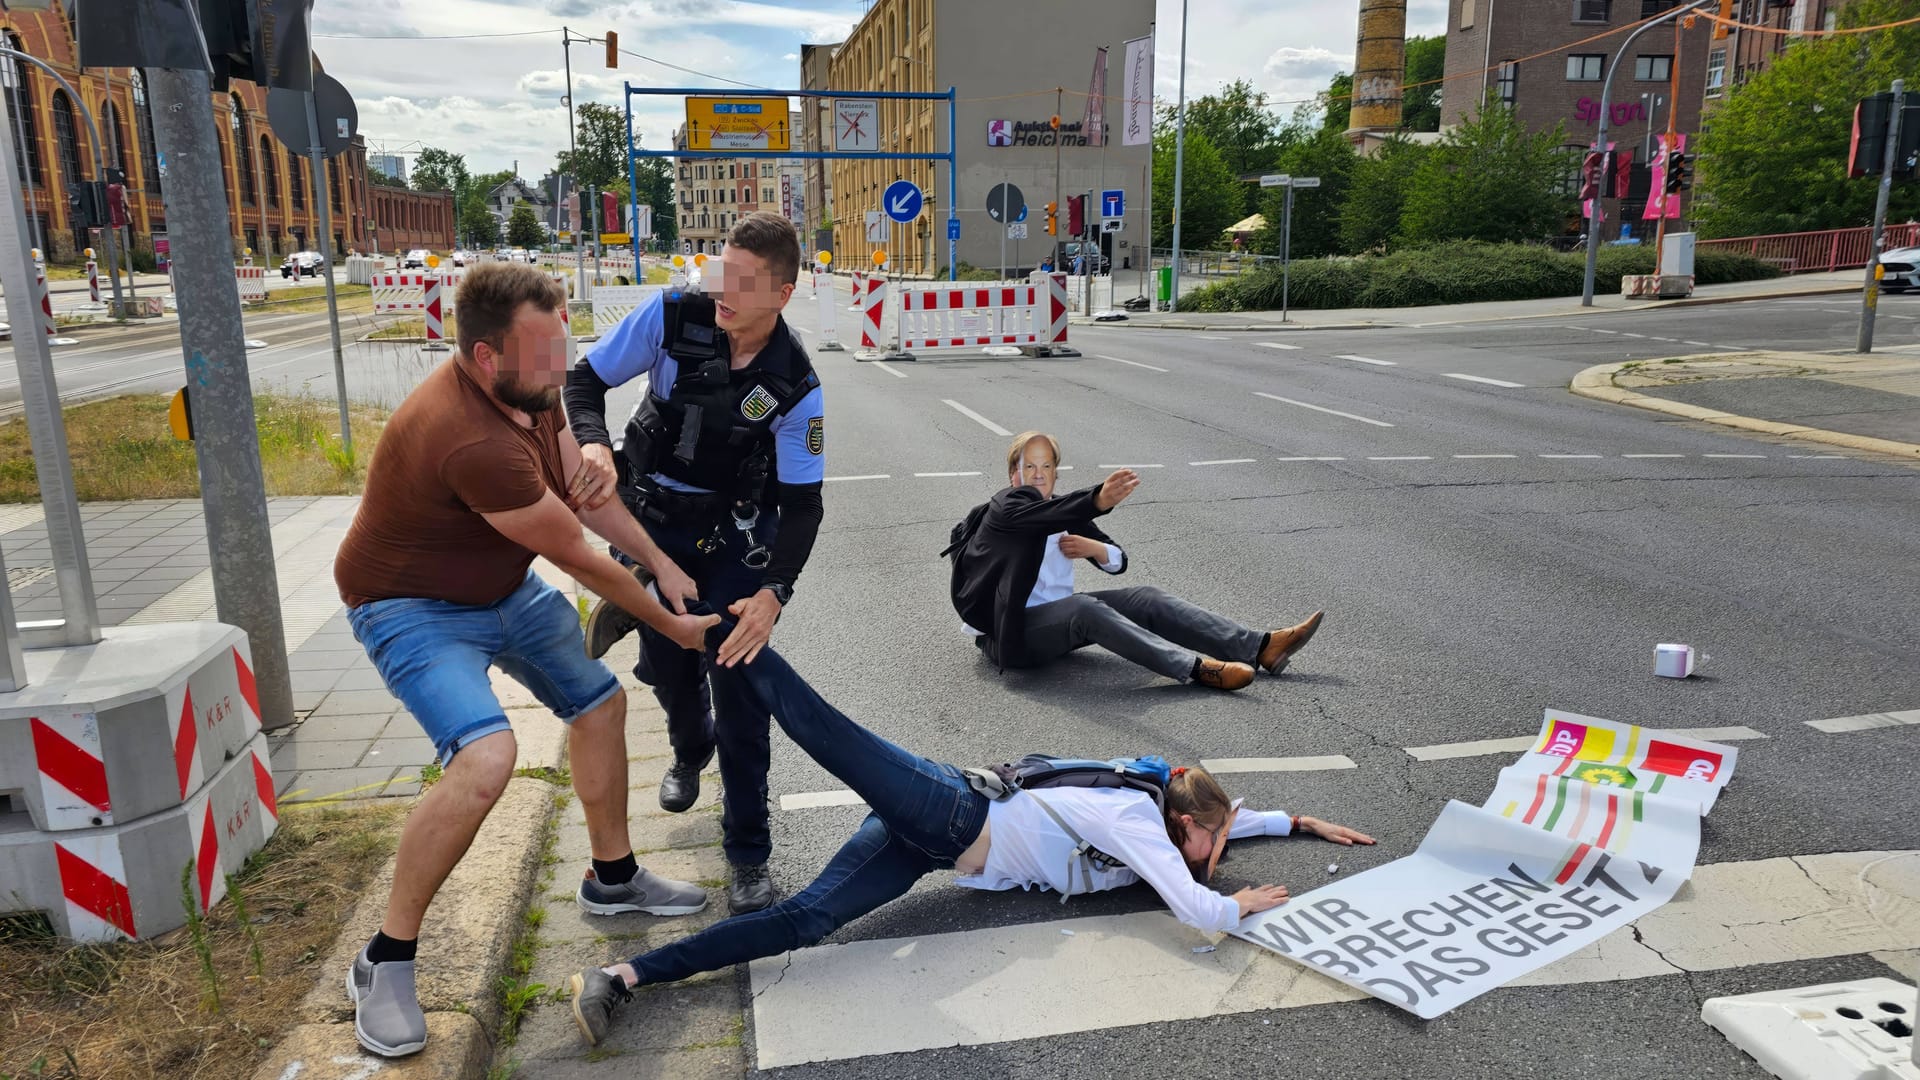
[1597, 382]
[467, 940]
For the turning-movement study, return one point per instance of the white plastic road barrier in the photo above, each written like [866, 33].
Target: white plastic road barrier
[93, 281]
[435, 324]
[829, 340]
[859, 287]
[1860, 1030]
[612, 303]
[400, 292]
[947, 316]
[252, 281]
[46, 307]
[874, 304]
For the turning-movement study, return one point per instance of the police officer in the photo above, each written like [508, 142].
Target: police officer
[722, 461]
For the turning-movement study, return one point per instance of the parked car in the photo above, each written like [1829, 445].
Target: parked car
[1096, 262]
[522, 255]
[459, 258]
[1901, 268]
[303, 264]
[417, 258]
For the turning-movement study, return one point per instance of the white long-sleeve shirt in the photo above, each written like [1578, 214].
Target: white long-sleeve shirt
[1028, 850]
[1056, 574]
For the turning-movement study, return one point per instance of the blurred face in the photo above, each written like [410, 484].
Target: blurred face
[1201, 840]
[747, 298]
[530, 364]
[1036, 467]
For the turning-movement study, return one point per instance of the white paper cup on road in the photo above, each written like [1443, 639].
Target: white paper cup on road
[1673, 661]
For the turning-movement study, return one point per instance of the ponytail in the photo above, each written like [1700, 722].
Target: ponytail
[1194, 792]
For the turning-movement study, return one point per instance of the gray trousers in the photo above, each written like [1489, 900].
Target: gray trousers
[1145, 624]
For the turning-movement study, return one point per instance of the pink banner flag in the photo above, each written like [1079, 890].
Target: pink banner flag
[1659, 203]
[1097, 101]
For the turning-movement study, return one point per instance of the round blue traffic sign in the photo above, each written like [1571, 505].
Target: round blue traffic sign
[902, 201]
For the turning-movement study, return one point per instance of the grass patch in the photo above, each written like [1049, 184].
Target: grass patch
[144, 1009]
[413, 326]
[551, 774]
[351, 299]
[121, 448]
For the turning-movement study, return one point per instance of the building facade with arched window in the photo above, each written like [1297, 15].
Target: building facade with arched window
[267, 185]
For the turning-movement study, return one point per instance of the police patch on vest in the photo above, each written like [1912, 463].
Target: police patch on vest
[758, 404]
[816, 435]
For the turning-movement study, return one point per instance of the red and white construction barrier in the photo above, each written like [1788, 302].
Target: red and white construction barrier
[859, 287]
[1029, 315]
[829, 339]
[400, 292]
[873, 310]
[46, 307]
[93, 281]
[436, 326]
[252, 281]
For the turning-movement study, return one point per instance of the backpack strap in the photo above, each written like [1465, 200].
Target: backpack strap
[1085, 855]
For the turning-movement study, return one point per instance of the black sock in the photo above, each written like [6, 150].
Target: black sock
[1266, 639]
[616, 871]
[1195, 673]
[385, 950]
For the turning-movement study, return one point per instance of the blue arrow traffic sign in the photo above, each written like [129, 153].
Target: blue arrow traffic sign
[1113, 203]
[902, 201]
[953, 228]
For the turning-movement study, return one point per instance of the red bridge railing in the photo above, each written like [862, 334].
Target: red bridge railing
[1814, 252]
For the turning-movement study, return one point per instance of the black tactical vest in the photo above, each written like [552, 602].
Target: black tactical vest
[713, 428]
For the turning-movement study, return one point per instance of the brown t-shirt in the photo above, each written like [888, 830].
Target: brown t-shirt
[448, 455]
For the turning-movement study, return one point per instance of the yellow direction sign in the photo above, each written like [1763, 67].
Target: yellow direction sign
[737, 123]
[616, 238]
[180, 416]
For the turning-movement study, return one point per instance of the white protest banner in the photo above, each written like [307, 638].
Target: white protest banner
[1596, 827]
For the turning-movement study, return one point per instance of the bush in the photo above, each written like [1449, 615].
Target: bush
[1465, 272]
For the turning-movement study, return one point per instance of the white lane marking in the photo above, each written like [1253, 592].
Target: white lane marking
[1866, 722]
[1322, 408]
[1653, 455]
[1132, 466]
[868, 476]
[1277, 764]
[884, 366]
[1733, 455]
[802, 329]
[946, 474]
[1802, 908]
[1063, 468]
[1134, 363]
[1668, 340]
[976, 417]
[1702, 344]
[1522, 743]
[1484, 379]
[1274, 345]
[1471, 457]
[1623, 333]
[1567, 457]
[1211, 337]
[811, 799]
[1225, 461]
[1366, 360]
[1404, 457]
[1820, 457]
[1597, 330]
[1310, 459]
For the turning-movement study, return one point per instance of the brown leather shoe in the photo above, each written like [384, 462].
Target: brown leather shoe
[1223, 674]
[1282, 644]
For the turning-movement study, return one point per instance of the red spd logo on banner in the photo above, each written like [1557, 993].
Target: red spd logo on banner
[1682, 761]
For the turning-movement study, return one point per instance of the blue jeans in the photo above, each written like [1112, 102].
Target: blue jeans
[434, 655]
[680, 679]
[924, 816]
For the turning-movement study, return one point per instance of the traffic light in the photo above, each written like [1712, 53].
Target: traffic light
[1053, 226]
[1076, 215]
[87, 203]
[1679, 171]
[1726, 12]
[613, 50]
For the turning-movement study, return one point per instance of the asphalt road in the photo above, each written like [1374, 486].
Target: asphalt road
[1464, 595]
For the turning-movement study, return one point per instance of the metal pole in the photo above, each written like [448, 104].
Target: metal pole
[1600, 141]
[1054, 237]
[93, 130]
[113, 144]
[1870, 293]
[246, 585]
[573, 159]
[1004, 226]
[20, 105]
[260, 193]
[1146, 178]
[322, 197]
[1286, 252]
[953, 188]
[1179, 159]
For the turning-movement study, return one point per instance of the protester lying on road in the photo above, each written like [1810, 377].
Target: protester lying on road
[1013, 585]
[927, 816]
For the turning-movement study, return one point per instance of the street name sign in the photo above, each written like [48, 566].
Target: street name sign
[738, 123]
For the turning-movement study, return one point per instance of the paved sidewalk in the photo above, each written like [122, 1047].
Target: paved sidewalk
[1566, 307]
[1869, 403]
[350, 738]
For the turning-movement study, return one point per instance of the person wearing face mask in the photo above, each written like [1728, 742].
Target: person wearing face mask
[1013, 585]
[723, 462]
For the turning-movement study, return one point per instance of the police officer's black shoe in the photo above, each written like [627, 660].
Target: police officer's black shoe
[681, 786]
[608, 622]
[752, 889]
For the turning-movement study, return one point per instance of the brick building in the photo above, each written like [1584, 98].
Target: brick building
[269, 193]
[1734, 59]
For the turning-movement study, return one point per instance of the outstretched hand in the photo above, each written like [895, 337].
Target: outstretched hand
[1330, 832]
[1115, 489]
[1258, 898]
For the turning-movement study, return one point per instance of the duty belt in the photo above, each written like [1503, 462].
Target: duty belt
[666, 507]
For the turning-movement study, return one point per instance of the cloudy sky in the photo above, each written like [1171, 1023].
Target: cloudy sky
[498, 99]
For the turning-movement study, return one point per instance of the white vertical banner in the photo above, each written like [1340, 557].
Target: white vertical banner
[1137, 128]
[1096, 125]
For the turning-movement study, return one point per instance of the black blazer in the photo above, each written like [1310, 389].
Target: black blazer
[997, 551]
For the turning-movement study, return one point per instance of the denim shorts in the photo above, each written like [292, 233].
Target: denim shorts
[434, 657]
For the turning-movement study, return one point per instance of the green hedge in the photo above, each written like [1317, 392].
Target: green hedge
[1456, 273]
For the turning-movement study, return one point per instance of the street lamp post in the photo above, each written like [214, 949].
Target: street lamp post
[1598, 217]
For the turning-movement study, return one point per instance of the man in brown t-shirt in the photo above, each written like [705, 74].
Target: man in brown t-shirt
[475, 475]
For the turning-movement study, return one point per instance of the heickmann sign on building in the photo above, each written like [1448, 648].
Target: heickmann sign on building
[1034, 133]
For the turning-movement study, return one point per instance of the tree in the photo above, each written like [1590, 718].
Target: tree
[1211, 193]
[380, 179]
[435, 169]
[1489, 179]
[1247, 134]
[1774, 158]
[600, 159]
[524, 229]
[477, 223]
[1377, 190]
[656, 190]
[1337, 102]
[1316, 224]
[1426, 62]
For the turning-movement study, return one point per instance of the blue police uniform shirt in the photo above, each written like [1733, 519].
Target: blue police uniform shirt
[637, 347]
